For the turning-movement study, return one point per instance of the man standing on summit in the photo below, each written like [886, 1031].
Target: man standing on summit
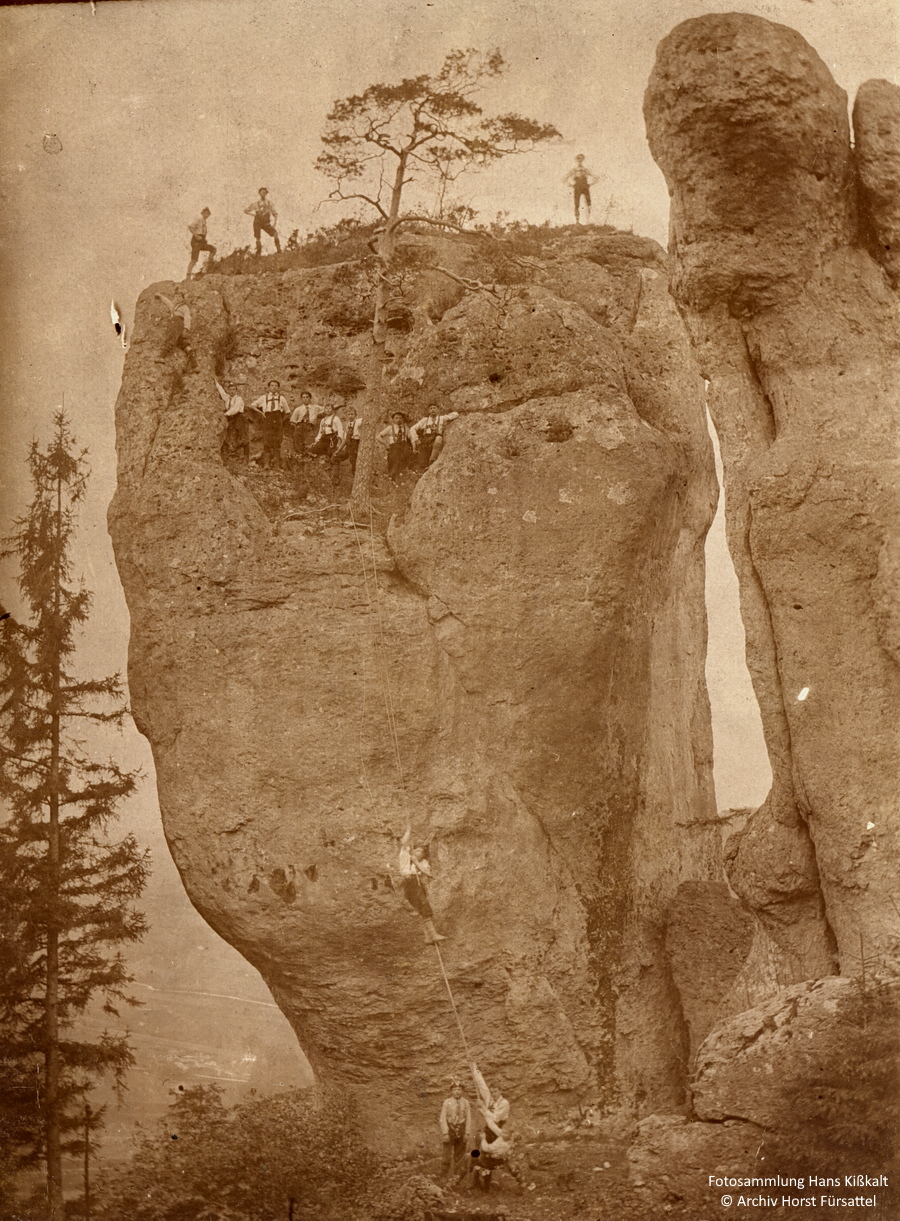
[264, 217]
[199, 242]
[580, 179]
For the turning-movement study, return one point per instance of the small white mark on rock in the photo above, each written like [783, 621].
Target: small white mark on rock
[565, 496]
[529, 515]
[870, 826]
[803, 694]
[492, 491]
[620, 493]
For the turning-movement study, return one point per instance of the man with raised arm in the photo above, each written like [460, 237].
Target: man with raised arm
[236, 442]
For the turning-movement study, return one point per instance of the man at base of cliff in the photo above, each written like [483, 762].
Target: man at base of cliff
[455, 1122]
[264, 217]
[304, 421]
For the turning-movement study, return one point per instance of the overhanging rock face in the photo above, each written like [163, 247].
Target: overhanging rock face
[536, 619]
[782, 270]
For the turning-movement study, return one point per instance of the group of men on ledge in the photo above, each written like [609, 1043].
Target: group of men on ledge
[319, 431]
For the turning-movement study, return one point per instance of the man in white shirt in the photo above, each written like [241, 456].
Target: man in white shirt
[179, 327]
[348, 450]
[455, 1122]
[427, 435]
[236, 442]
[303, 421]
[580, 179]
[273, 407]
[199, 242]
[415, 871]
[395, 439]
[330, 434]
[264, 217]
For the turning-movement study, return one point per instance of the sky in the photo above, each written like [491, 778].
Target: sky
[162, 107]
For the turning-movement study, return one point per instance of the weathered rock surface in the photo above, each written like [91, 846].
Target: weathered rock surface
[747, 1068]
[671, 1160]
[796, 328]
[535, 621]
[709, 936]
[876, 128]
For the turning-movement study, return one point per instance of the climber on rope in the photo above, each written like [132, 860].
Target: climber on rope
[395, 438]
[427, 435]
[415, 872]
[495, 1147]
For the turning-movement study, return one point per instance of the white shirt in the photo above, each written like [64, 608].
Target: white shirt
[353, 434]
[178, 311]
[431, 424]
[263, 208]
[198, 228]
[267, 403]
[308, 411]
[234, 404]
[331, 424]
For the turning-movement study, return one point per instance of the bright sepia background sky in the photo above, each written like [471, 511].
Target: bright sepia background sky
[163, 107]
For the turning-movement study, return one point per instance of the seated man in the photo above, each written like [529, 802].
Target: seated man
[427, 435]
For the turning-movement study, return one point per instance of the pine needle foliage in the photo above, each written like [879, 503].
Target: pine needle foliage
[68, 887]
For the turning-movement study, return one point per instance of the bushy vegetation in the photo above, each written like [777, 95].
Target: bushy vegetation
[842, 1108]
[208, 1160]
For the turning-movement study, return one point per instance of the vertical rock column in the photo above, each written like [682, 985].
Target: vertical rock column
[796, 326]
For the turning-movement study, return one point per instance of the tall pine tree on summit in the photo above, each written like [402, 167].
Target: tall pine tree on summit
[67, 886]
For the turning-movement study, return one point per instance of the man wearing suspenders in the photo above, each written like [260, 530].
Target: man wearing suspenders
[427, 436]
[395, 438]
[273, 407]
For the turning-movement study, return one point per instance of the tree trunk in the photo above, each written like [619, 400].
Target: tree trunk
[374, 409]
[52, 1100]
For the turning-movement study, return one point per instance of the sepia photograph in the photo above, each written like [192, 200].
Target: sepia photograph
[450, 610]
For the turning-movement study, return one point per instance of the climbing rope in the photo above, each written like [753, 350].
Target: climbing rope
[462, 1033]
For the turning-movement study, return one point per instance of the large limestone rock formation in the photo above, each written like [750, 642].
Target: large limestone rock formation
[515, 668]
[781, 269]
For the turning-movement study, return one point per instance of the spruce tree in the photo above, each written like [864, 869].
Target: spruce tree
[67, 886]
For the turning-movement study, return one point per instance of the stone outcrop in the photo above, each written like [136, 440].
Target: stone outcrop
[796, 328]
[514, 667]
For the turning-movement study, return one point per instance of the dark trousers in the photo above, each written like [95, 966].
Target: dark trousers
[236, 442]
[326, 445]
[273, 431]
[414, 893]
[304, 433]
[347, 453]
[399, 458]
[198, 245]
[454, 1152]
[261, 226]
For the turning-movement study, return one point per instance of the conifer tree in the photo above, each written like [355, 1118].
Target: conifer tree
[67, 886]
